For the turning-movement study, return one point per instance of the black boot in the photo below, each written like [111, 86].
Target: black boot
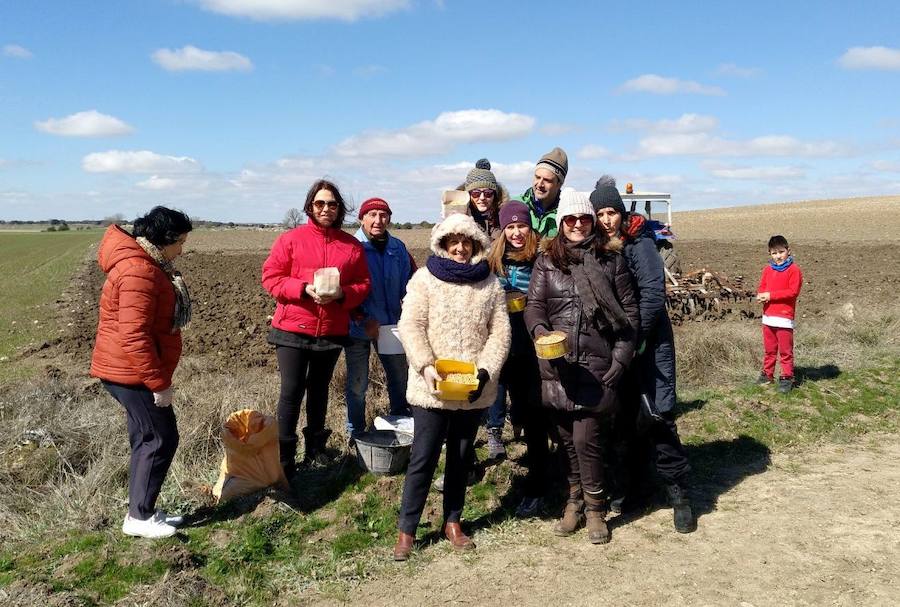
[314, 447]
[287, 454]
[685, 522]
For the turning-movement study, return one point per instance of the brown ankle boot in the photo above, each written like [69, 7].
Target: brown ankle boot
[458, 539]
[598, 532]
[403, 547]
[595, 513]
[573, 517]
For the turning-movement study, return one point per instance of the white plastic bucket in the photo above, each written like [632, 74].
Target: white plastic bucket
[388, 340]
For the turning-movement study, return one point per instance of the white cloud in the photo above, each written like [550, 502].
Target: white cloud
[660, 85]
[704, 144]
[289, 10]
[144, 161]
[758, 173]
[325, 70]
[157, 183]
[369, 71]
[16, 52]
[730, 69]
[592, 152]
[193, 58]
[886, 166]
[84, 124]
[871, 58]
[439, 135]
[555, 129]
[686, 123]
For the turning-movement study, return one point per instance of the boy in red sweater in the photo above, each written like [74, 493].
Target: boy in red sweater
[778, 291]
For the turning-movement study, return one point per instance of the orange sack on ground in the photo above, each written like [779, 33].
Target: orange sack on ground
[251, 455]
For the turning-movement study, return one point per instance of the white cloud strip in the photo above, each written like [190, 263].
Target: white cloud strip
[143, 161]
[439, 135]
[296, 10]
[730, 69]
[871, 58]
[191, 58]
[16, 52]
[84, 124]
[761, 173]
[705, 144]
[660, 85]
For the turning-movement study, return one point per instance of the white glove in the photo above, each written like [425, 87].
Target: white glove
[432, 377]
[164, 398]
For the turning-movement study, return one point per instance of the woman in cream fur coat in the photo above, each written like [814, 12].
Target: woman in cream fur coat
[454, 308]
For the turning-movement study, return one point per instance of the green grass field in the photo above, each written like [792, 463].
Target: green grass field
[35, 269]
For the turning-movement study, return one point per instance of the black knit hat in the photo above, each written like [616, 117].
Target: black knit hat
[606, 196]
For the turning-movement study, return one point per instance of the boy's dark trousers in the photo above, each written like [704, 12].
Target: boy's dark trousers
[154, 438]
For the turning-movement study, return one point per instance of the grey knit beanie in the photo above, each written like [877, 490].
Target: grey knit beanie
[606, 195]
[481, 177]
[556, 161]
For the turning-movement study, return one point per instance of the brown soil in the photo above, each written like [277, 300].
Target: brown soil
[817, 527]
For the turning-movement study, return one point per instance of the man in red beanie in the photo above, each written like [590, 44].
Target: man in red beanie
[390, 267]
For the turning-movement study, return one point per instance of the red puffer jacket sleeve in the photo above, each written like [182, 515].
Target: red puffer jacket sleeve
[276, 272]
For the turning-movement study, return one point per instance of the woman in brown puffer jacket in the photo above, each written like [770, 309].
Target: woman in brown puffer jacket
[580, 287]
[143, 307]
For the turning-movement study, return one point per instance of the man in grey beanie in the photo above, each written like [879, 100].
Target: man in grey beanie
[542, 197]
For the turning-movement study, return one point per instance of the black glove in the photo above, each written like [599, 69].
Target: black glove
[483, 378]
[540, 330]
[612, 377]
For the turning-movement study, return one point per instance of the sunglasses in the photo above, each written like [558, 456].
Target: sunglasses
[321, 204]
[571, 220]
[480, 193]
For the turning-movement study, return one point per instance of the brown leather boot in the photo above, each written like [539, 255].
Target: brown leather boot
[403, 547]
[595, 513]
[573, 517]
[458, 539]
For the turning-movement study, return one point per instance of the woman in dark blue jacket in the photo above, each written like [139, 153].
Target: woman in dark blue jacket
[653, 397]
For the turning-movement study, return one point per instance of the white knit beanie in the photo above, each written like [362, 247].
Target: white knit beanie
[573, 203]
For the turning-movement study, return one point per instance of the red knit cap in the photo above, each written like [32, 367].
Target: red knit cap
[374, 204]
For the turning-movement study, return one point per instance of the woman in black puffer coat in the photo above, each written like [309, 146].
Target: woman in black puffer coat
[580, 287]
[648, 418]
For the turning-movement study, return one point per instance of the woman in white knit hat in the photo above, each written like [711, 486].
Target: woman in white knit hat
[582, 287]
[454, 308]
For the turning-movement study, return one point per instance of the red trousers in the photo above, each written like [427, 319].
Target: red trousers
[778, 341]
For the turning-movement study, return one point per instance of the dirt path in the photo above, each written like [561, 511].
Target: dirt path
[815, 528]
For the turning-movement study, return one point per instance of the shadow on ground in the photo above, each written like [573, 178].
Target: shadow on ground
[805, 374]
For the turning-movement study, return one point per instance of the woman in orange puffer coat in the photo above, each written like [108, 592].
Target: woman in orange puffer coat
[143, 306]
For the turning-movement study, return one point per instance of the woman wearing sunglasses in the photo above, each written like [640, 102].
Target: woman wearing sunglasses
[309, 328]
[582, 287]
[485, 197]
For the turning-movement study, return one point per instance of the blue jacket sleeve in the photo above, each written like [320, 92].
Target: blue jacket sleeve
[650, 279]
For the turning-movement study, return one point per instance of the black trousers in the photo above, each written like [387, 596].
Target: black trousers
[585, 437]
[432, 428]
[153, 435]
[302, 371]
[639, 443]
[522, 379]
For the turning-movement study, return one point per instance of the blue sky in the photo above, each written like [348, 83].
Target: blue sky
[229, 109]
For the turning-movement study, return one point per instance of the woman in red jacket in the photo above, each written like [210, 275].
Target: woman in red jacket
[309, 328]
[143, 306]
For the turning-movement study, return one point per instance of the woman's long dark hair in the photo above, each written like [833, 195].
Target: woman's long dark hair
[324, 184]
[562, 256]
[162, 226]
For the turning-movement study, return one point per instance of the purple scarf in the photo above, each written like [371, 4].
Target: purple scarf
[453, 271]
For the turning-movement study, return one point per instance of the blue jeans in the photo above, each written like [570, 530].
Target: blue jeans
[496, 413]
[395, 370]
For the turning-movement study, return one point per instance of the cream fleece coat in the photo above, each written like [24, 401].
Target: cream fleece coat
[467, 322]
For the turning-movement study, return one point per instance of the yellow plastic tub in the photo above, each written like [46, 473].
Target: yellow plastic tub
[515, 301]
[551, 345]
[451, 390]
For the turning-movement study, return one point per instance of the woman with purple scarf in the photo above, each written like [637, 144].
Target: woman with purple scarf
[454, 309]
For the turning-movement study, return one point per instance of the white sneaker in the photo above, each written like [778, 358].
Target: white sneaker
[151, 528]
[174, 520]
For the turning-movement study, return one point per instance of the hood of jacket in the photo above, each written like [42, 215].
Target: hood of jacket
[118, 245]
[458, 223]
